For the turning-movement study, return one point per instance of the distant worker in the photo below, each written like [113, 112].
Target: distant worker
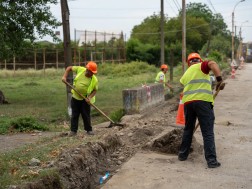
[160, 78]
[198, 103]
[87, 84]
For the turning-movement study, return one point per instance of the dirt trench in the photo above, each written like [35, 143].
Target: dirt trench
[82, 167]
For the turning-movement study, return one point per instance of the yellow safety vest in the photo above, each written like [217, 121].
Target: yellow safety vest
[92, 85]
[157, 80]
[197, 85]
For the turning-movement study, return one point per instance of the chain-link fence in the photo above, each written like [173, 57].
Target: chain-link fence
[100, 46]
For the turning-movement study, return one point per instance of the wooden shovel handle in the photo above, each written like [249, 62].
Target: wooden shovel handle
[68, 84]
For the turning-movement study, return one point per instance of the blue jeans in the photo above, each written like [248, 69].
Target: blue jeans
[80, 107]
[205, 114]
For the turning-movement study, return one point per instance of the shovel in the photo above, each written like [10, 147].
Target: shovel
[214, 96]
[112, 123]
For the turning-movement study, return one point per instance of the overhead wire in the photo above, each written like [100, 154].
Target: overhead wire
[171, 7]
[176, 5]
[174, 31]
[210, 2]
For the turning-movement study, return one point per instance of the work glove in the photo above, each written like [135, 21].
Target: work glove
[220, 84]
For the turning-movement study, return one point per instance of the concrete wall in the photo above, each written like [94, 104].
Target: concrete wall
[139, 99]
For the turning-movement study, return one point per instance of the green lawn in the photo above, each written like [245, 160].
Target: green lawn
[31, 93]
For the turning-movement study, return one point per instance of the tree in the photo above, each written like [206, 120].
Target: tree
[215, 21]
[198, 10]
[220, 44]
[149, 30]
[21, 21]
[201, 27]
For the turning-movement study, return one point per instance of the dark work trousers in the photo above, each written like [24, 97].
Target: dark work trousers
[204, 112]
[83, 108]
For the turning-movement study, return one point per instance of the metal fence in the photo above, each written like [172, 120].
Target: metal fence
[96, 46]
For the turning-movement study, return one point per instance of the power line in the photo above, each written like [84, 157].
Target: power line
[176, 5]
[210, 2]
[171, 7]
[174, 31]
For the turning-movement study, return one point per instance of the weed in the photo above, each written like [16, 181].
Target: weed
[24, 124]
[117, 115]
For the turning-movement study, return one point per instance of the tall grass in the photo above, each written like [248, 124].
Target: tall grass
[42, 95]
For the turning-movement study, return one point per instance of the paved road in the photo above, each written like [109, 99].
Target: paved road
[233, 129]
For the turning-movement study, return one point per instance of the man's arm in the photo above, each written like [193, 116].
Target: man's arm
[169, 85]
[215, 68]
[68, 69]
[217, 72]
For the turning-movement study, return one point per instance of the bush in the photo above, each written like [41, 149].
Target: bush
[27, 124]
[125, 70]
[216, 56]
[117, 115]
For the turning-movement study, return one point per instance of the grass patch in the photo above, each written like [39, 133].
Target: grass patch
[21, 124]
[24, 124]
[4, 125]
[117, 115]
[43, 95]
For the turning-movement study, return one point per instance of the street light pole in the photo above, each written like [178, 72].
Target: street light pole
[240, 35]
[233, 29]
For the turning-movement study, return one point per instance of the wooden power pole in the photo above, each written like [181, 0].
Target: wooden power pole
[183, 35]
[67, 49]
[162, 58]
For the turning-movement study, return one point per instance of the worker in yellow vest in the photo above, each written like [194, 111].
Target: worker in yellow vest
[198, 103]
[160, 78]
[87, 84]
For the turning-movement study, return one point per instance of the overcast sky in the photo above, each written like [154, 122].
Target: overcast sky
[122, 15]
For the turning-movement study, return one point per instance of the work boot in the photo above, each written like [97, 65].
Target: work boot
[214, 164]
[182, 158]
[90, 132]
[72, 134]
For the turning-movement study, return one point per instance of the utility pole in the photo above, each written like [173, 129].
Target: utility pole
[162, 58]
[67, 49]
[183, 35]
[233, 29]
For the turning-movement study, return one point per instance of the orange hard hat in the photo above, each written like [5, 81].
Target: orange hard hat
[164, 66]
[92, 66]
[193, 56]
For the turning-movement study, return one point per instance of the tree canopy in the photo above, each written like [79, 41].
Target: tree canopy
[202, 25]
[22, 21]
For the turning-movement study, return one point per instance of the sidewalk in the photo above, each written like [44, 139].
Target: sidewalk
[233, 132]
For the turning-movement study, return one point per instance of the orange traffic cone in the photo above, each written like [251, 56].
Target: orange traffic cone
[180, 119]
[233, 72]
